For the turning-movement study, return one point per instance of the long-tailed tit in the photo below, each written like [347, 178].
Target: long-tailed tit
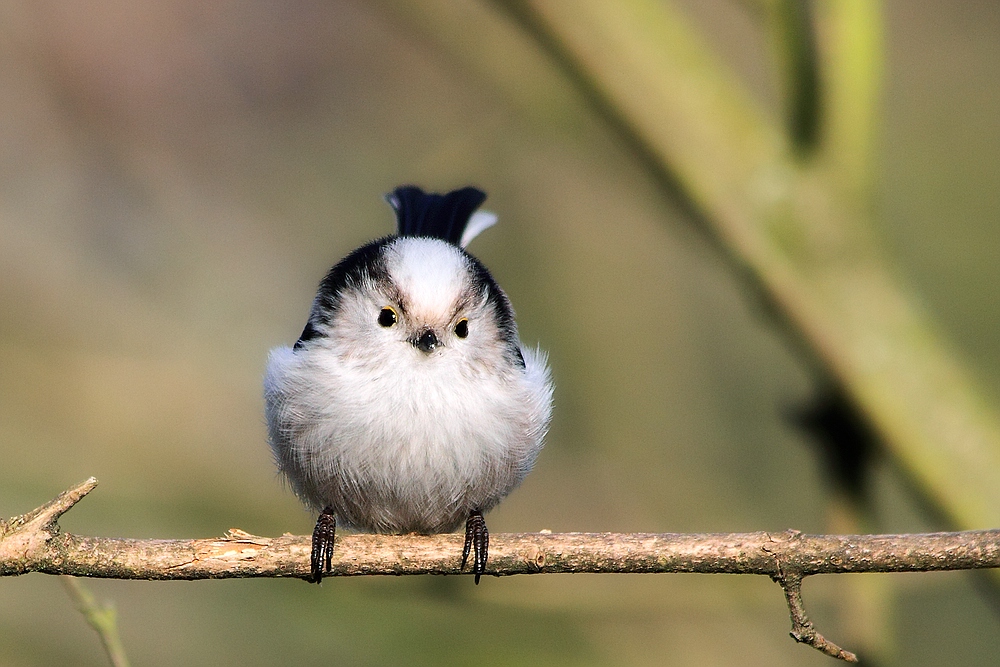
[408, 404]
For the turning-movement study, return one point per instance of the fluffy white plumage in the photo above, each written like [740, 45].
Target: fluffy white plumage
[393, 437]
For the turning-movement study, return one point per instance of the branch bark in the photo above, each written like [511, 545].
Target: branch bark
[33, 542]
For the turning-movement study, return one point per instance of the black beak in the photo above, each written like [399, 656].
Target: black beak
[426, 342]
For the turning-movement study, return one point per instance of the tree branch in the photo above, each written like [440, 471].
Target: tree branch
[33, 542]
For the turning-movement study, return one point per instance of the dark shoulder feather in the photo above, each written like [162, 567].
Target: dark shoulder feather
[420, 213]
[503, 312]
[364, 264]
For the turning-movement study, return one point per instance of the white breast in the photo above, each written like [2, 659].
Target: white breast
[410, 443]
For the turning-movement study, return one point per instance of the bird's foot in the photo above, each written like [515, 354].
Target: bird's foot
[477, 538]
[322, 545]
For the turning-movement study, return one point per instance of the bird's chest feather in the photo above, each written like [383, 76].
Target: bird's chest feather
[403, 413]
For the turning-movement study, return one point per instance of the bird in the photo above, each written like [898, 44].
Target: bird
[408, 404]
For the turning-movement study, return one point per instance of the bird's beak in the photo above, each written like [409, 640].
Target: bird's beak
[426, 341]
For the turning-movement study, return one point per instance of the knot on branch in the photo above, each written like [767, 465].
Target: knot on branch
[778, 547]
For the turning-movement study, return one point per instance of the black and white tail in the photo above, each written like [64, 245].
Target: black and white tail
[451, 217]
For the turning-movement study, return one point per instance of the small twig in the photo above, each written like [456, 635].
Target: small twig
[46, 516]
[34, 543]
[803, 630]
[102, 618]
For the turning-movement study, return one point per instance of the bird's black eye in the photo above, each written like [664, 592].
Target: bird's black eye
[387, 317]
[462, 328]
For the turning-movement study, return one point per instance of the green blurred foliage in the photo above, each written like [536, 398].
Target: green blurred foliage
[176, 177]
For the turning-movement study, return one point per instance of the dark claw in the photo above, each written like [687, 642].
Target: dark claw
[322, 546]
[477, 538]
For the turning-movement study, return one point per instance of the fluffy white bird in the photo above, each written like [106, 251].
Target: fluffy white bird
[409, 404]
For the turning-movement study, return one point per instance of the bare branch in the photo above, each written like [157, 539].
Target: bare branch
[34, 543]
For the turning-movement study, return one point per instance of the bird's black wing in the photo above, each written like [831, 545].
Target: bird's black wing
[420, 213]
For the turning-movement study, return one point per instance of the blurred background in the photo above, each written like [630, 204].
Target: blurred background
[175, 179]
